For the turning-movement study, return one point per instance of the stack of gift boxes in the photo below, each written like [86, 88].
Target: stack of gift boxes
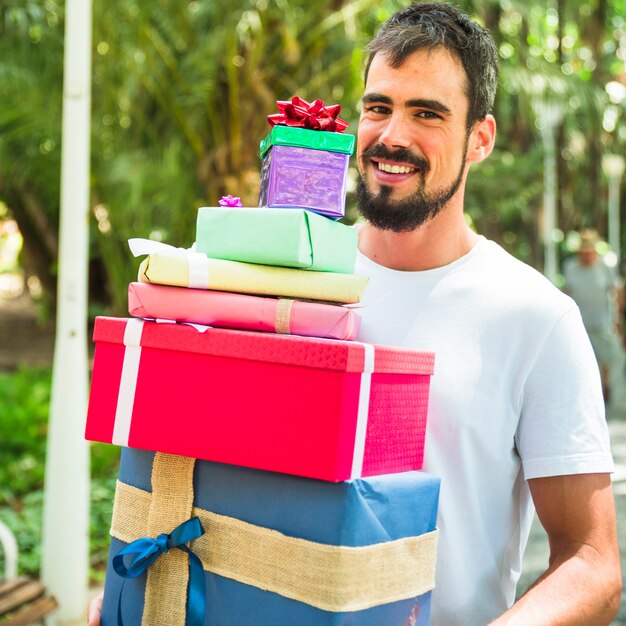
[266, 477]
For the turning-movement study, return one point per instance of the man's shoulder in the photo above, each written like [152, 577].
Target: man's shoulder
[504, 264]
[513, 279]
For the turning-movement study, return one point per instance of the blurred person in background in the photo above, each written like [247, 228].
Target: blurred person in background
[597, 289]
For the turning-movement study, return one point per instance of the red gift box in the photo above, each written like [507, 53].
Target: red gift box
[321, 408]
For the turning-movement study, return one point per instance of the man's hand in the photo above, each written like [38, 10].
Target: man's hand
[95, 611]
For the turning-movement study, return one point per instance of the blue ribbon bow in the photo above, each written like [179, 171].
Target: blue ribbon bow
[148, 550]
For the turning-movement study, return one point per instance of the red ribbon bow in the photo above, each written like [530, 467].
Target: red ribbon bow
[315, 116]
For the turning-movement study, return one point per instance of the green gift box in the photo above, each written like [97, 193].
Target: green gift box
[294, 238]
[304, 138]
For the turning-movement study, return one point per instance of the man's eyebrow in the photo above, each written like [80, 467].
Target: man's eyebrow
[434, 105]
[422, 103]
[368, 98]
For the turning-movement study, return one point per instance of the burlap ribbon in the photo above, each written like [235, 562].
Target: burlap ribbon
[331, 578]
[282, 322]
[170, 505]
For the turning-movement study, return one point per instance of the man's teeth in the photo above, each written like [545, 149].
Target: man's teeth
[395, 169]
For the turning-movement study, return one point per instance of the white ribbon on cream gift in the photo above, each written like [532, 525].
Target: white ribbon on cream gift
[130, 370]
[197, 262]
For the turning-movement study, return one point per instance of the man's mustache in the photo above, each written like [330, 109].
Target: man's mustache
[400, 155]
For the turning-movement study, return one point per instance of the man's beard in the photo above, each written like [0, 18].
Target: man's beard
[410, 212]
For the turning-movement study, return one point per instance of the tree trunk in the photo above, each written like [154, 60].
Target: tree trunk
[40, 246]
[593, 32]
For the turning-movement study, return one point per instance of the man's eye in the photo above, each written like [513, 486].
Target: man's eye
[378, 109]
[428, 115]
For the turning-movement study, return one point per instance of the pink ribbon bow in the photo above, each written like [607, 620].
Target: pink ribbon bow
[314, 116]
[229, 201]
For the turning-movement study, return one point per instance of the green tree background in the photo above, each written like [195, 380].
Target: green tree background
[181, 91]
[180, 94]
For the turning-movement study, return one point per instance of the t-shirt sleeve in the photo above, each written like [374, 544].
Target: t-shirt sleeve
[562, 429]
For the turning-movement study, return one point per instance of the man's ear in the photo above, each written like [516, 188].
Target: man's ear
[481, 140]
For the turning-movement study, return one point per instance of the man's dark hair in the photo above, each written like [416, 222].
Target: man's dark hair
[433, 25]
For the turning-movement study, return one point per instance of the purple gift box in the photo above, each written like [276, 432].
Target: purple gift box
[294, 177]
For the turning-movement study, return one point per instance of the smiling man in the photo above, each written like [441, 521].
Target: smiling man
[516, 415]
[416, 183]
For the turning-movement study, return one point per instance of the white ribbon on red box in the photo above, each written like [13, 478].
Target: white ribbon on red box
[128, 384]
[364, 409]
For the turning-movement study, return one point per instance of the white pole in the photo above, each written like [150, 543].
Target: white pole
[549, 201]
[614, 216]
[614, 166]
[65, 551]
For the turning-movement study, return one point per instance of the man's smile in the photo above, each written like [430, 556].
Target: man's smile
[394, 168]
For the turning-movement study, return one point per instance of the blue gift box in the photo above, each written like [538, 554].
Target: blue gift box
[361, 515]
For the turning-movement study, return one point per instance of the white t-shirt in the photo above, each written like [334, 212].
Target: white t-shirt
[515, 395]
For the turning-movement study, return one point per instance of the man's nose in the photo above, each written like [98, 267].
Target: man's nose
[396, 133]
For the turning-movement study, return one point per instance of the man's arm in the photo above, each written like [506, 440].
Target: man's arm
[94, 612]
[582, 585]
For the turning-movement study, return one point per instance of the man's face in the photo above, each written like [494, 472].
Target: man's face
[412, 139]
[588, 257]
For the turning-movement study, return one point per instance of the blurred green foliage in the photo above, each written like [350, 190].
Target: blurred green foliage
[181, 90]
[179, 98]
[24, 398]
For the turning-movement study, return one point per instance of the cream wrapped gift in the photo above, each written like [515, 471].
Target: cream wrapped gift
[187, 268]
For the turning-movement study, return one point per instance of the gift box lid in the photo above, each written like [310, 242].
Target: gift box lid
[357, 512]
[293, 238]
[331, 354]
[306, 138]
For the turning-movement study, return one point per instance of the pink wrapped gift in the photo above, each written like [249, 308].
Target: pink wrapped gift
[321, 408]
[235, 310]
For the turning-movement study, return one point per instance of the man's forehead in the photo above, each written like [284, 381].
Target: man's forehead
[423, 73]
[437, 69]
[430, 60]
